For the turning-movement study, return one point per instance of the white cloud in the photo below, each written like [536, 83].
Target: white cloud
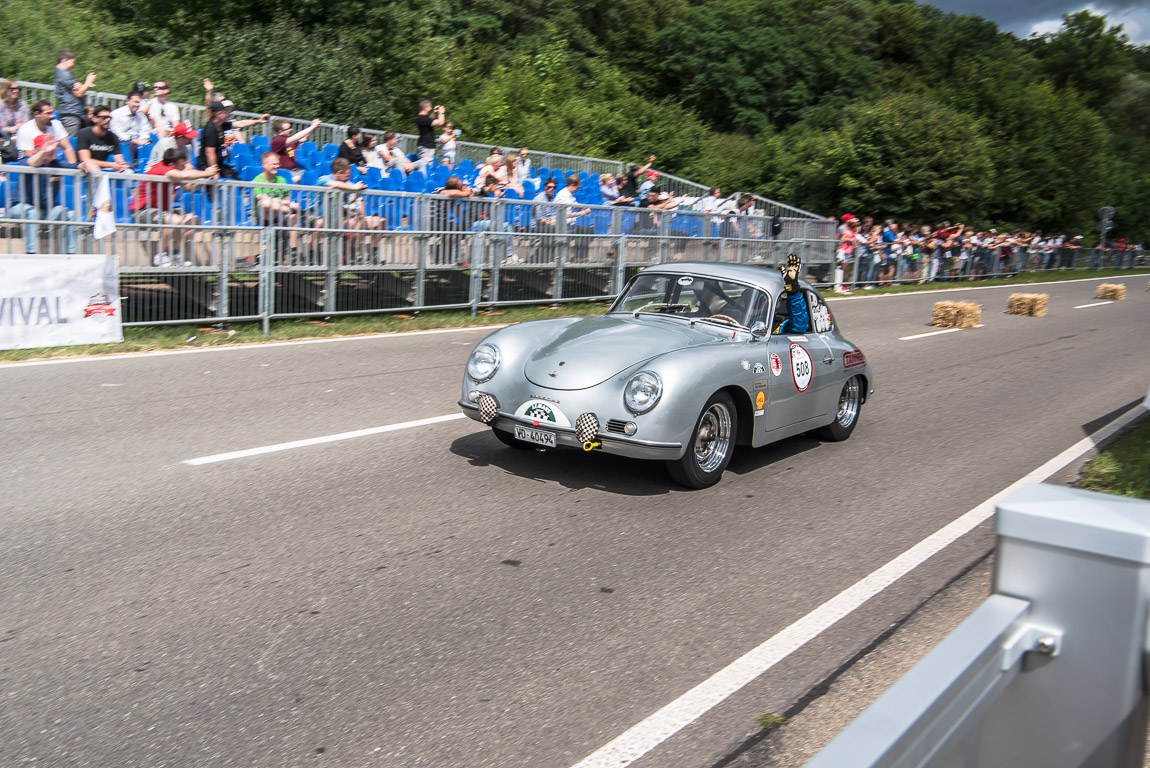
[1135, 21]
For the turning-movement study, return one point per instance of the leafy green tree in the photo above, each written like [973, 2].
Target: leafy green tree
[1083, 54]
[905, 156]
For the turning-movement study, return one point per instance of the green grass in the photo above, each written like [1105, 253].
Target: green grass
[152, 338]
[1122, 469]
[769, 721]
[159, 337]
[1025, 278]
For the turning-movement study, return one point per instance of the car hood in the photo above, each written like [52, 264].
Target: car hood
[592, 350]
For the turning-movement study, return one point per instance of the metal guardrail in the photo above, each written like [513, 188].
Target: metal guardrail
[334, 133]
[1052, 670]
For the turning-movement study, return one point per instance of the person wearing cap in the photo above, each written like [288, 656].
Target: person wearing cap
[42, 122]
[179, 137]
[284, 144]
[648, 182]
[96, 144]
[219, 132]
[164, 114]
[629, 187]
[35, 197]
[155, 203]
[131, 126]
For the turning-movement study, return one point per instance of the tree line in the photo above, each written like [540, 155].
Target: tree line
[884, 106]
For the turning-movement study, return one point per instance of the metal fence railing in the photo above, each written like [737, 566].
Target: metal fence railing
[227, 250]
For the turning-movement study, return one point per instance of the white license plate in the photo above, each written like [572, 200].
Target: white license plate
[537, 436]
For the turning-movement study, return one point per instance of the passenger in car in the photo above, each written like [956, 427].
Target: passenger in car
[799, 319]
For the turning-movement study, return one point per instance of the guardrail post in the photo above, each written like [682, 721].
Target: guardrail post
[1051, 671]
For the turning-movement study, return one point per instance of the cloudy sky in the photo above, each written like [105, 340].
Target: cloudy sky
[1024, 17]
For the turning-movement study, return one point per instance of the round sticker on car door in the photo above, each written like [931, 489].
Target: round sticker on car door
[801, 367]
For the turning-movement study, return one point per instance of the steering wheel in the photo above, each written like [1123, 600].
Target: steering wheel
[725, 319]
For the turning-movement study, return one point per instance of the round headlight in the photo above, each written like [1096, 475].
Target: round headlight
[642, 391]
[483, 363]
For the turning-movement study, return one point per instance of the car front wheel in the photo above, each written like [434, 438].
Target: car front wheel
[712, 444]
[850, 406]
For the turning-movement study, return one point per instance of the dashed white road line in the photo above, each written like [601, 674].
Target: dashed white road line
[318, 440]
[1095, 304]
[933, 333]
[662, 725]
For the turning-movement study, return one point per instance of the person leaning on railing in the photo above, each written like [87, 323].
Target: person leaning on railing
[155, 202]
[35, 196]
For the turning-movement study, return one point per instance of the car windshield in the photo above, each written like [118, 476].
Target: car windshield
[694, 297]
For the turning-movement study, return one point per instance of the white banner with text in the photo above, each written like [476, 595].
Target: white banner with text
[58, 301]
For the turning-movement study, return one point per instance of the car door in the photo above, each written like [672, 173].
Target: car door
[828, 349]
[797, 371]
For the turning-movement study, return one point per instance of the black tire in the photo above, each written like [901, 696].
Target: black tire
[510, 440]
[711, 447]
[847, 417]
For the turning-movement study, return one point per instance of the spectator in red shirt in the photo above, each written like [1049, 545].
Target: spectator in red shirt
[155, 200]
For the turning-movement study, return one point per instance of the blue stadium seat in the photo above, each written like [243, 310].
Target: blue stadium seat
[465, 167]
[544, 172]
[310, 177]
[307, 147]
[416, 182]
[260, 144]
[374, 178]
[529, 190]
[510, 194]
[330, 151]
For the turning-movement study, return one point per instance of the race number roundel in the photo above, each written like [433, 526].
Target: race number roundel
[801, 367]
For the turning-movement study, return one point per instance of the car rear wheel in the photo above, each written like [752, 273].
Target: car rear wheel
[850, 406]
[712, 444]
[510, 440]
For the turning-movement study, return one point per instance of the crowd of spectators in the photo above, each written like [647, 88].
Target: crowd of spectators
[871, 254]
[868, 254]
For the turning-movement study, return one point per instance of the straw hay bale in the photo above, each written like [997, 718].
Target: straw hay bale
[1112, 292]
[1031, 304]
[956, 314]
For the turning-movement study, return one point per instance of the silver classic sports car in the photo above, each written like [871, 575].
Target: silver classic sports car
[691, 360]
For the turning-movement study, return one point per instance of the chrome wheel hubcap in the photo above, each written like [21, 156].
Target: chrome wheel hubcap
[713, 439]
[849, 402]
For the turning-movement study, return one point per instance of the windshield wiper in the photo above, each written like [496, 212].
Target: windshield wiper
[662, 308]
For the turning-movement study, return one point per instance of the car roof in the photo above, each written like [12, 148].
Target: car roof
[763, 276]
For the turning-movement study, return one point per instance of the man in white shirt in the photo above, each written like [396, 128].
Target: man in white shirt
[43, 122]
[131, 125]
[566, 196]
[163, 113]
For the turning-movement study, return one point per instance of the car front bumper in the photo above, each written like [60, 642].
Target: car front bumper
[565, 436]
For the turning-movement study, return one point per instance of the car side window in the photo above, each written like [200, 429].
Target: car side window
[821, 320]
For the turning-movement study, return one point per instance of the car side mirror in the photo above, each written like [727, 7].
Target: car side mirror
[760, 330]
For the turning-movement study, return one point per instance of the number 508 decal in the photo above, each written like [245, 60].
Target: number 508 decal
[801, 367]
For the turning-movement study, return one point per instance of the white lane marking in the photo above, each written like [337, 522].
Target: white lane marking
[832, 297]
[1095, 304]
[318, 440]
[933, 333]
[253, 345]
[660, 726]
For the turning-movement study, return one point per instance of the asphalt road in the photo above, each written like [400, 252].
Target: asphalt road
[428, 597]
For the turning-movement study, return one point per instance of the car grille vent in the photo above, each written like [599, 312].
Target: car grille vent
[615, 425]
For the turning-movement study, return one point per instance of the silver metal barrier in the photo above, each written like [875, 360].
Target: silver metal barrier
[1050, 671]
